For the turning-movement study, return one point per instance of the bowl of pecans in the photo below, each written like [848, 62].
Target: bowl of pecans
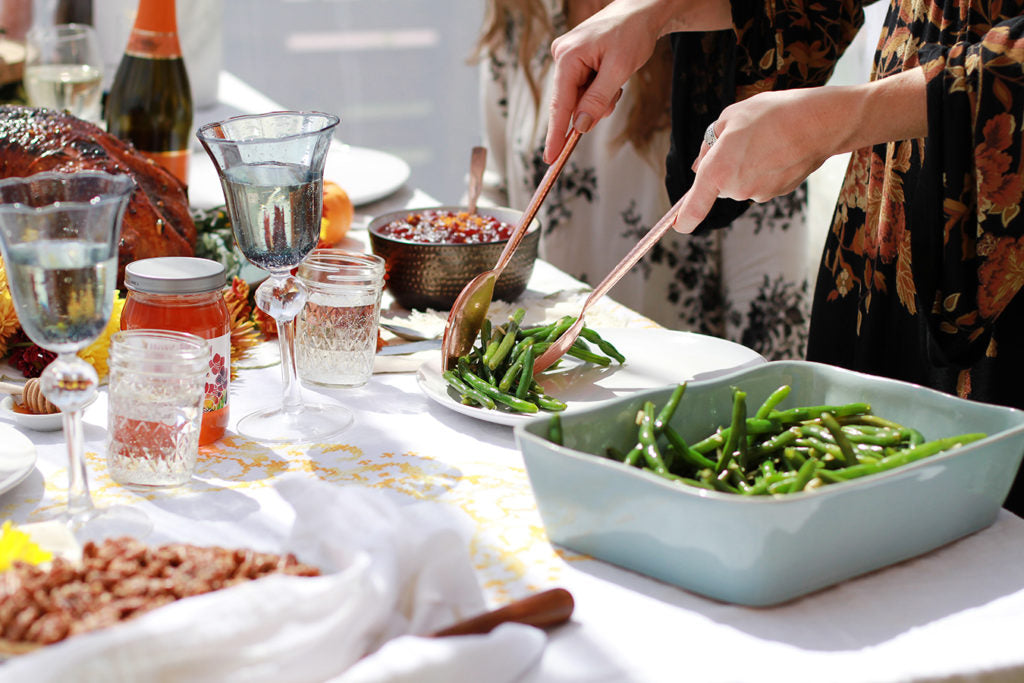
[430, 254]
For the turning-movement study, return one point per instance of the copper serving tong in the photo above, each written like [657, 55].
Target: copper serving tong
[470, 308]
[563, 343]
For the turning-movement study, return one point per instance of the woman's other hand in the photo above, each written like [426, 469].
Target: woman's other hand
[768, 144]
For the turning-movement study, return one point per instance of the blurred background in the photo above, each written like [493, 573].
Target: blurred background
[395, 71]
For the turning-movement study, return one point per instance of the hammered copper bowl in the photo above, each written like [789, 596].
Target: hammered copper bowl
[421, 276]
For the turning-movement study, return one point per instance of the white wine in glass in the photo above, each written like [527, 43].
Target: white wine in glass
[64, 69]
[271, 167]
[59, 234]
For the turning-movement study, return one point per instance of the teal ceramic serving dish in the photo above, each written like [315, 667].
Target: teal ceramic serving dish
[766, 550]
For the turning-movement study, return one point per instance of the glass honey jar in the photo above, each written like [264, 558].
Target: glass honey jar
[185, 294]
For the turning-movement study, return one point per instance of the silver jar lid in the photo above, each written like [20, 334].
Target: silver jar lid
[174, 275]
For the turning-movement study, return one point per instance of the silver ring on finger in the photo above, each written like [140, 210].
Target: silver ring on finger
[709, 135]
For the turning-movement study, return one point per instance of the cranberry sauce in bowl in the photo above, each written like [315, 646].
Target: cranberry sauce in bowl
[431, 253]
[444, 226]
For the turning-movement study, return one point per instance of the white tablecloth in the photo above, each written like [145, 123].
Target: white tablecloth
[956, 612]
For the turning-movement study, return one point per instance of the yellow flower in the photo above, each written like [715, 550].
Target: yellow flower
[17, 546]
[96, 353]
[9, 324]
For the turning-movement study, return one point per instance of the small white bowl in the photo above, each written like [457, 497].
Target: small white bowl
[50, 422]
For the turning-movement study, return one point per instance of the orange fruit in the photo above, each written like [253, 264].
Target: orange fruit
[338, 214]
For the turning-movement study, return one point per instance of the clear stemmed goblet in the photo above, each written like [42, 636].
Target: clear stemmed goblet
[59, 234]
[64, 69]
[271, 167]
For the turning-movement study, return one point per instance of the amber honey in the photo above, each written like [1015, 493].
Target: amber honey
[185, 295]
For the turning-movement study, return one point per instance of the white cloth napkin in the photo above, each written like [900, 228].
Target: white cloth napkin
[390, 570]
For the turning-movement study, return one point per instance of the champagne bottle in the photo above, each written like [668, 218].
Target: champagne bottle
[150, 101]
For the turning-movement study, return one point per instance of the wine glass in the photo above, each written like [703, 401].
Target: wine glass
[64, 69]
[59, 234]
[271, 167]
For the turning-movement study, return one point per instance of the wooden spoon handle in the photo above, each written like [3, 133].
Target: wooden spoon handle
[477, 164]
[543, 610]
[11, 388]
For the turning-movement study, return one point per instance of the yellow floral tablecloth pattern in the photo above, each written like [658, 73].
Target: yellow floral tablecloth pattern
[401, 443]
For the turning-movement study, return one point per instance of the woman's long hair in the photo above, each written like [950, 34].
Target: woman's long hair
[649, 111]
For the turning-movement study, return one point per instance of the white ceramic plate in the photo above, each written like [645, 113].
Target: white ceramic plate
[17, 457]
[654, 358]
[365, 174]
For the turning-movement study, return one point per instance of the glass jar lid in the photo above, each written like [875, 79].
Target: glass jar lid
[174, 275]
[338, 267]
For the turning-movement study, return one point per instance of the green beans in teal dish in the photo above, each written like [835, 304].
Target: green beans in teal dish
[779, 450]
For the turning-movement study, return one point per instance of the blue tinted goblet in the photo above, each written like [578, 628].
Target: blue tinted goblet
[271, 167]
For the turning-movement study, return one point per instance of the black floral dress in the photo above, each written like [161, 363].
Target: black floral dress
[749, 282]
[924, 261]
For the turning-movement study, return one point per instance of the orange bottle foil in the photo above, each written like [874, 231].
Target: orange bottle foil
[185, 294]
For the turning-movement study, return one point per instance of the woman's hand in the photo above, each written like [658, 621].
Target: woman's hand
[594, 60]
[768, 144]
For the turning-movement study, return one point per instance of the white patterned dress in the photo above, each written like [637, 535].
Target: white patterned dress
[747, 282]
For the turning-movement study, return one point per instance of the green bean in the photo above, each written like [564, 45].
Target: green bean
[649, 445]
[485, 333]
[736, 441]
[510, 375]
[845, 447]
[491, 348]
[507, 341]
[605, 346]
[480, 367]
[537, 331]
[679, 447]
[873, 420]
[467, 391]
[711, 480]
[588, 356]
[696, 483]
[782, 485]
[822, 447]
[774, 399]
[804, 476]
[775, 443]
[526, 373]
[546, 402]
[906, 456]
[514, 370]
[560, 327]
[793, 458]
[881, 437]
[813, 412]
[492, 391]
[555, 429]
[669, 409]
[717, 440]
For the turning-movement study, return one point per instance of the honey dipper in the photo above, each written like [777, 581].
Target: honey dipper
[32, 398]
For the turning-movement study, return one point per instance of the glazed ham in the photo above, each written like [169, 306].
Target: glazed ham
[157, 221]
